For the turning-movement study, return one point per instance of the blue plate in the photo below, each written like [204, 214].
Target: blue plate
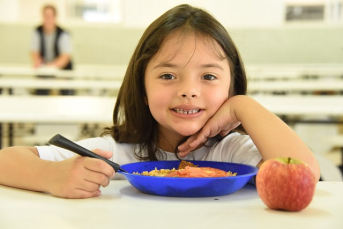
[188, 187]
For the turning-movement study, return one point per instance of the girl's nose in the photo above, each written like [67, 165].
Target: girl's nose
[191, 96]
[189, 89]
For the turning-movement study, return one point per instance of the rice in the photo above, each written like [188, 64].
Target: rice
[156, 172]
[231, 174]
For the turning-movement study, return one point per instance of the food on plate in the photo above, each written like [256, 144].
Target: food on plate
[157, 172]
[188, 169]
[183, 164]
[200, 172]
[285, 184]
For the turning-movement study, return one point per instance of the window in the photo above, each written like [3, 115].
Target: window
[305, 13]
[107, 11]
[327, 11]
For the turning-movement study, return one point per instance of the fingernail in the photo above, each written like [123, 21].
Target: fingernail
[98, 193]
[114, 173]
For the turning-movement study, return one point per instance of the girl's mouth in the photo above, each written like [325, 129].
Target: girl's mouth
[183, 111]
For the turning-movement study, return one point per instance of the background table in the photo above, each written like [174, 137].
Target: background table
[54, 110]
[122, 206]
[80, 72]
[304, 105]
[7, 83]
[69, 109]
[295, 86]
[293, 71]
[90, 109]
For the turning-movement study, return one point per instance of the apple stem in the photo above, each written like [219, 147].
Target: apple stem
[289, 160]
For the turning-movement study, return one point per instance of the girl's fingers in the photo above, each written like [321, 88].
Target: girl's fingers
[207, 132]
[96, 179]
[79, 193]
[102, 153]
[88, 186]
[225, 132]
[194, 141]
[184, 152]
[99, 166]
[83, 194]
[185, 146]
[199, 140]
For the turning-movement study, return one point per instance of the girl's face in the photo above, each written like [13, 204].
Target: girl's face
[186, 82]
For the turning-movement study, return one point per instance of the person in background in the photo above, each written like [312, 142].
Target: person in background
[51, 46]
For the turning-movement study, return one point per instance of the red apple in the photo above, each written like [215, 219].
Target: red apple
[285, 184]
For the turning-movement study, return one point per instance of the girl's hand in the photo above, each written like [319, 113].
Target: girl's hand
[272, 137]
[222, 122]
[79, 177]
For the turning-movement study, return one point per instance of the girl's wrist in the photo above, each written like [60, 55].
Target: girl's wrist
[240, 104]
[47, 170]
[247, 110]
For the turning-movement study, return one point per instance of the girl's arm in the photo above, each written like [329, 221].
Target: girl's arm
[272, 136]
[76, 177]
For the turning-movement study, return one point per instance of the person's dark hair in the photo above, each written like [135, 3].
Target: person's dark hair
[49, 6]
[132, 120]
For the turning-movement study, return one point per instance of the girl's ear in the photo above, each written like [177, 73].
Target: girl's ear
[146, 101]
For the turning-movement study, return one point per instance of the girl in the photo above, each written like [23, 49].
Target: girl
[183, 92]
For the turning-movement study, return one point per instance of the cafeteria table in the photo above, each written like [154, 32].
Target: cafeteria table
[295, 86]
[91, 109]
[54, 110]
[294, 71]
[85, 72]
[122, 206]
[8, 83]
[70, 109]
[304, 105]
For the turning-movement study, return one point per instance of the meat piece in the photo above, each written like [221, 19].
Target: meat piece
[183, 164]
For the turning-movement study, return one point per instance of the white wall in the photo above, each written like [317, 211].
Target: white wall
[256, 26]
[9, 10]
[30, 10]
[231, 13]
[140, 13]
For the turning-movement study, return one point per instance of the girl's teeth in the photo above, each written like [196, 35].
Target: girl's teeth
[181, 111]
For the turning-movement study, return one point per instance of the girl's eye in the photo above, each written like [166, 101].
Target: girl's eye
[209, 77]
[167, 77]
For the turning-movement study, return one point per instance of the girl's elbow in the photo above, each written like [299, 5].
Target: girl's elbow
[315, 169]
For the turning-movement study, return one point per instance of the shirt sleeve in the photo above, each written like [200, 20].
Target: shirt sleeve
[239, 148]
[53, 153]
[34, 41]
[64, 44]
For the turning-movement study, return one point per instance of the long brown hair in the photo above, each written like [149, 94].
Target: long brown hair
[132, 120]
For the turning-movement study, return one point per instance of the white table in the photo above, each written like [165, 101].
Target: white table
[302, 104]
[96, 72]
[56, 109]
[86, 109]
[293, 71]
[8, 83]
[295, 85]
[71, 109]
[122, 206]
